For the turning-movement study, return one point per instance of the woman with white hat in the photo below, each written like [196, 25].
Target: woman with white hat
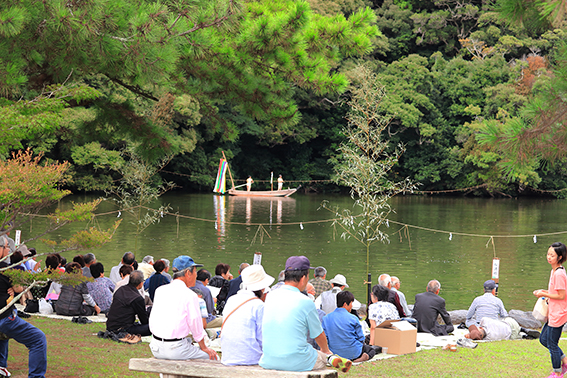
[241, 335]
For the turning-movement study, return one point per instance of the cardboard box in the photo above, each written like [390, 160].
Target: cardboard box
[398, 341]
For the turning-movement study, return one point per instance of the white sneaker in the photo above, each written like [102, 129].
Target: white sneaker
[466, 343]
[4, 372]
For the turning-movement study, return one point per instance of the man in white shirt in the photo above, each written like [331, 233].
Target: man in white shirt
[127, 259]
[494, 329]
[176, 314]
[396, 287]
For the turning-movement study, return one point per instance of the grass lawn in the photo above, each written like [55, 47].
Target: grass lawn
[74, 350]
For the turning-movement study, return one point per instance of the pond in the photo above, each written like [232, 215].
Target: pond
[453, 240]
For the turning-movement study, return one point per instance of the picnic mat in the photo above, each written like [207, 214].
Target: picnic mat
[101, 318]
[426, 340]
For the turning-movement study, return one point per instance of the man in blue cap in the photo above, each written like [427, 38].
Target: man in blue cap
[176, 314]
[289, 317]
[486, 306]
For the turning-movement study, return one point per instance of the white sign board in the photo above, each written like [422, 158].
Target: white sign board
[495, 268]
[18, 238]
[258, 258]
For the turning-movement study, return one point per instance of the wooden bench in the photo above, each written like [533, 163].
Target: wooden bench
[214, 369]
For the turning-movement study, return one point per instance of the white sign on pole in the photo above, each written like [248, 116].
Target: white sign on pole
[258, 258]
[495, 268]
[18, 237]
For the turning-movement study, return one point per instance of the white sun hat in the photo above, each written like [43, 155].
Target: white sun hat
[255, 278]
[339, 279]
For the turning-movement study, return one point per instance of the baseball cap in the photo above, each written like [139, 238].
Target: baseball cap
[183, 262]
[298, 263]
[489, 285]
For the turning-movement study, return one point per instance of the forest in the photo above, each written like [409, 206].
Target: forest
[474, 90]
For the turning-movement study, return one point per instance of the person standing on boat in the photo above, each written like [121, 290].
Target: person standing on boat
[249, 182]
[280, 183]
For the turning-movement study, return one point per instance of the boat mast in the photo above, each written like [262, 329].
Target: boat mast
[228, 166]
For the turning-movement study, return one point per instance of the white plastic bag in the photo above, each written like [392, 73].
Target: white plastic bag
[45, 307]
[540, 309]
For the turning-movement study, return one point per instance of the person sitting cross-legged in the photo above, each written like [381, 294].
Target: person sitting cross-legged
[102, 288]
[344, 331]
[486, 306]
[428, 307]
[128, 303]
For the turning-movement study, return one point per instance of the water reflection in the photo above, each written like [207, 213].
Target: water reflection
[220, 224]
[260, 209]
[224, 230]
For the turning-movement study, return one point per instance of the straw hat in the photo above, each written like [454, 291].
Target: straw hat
[255, 278]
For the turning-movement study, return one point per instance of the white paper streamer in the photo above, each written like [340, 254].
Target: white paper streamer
[301, 225]
[535, 239]
[387, 223]
[119, 214]
[450, 236]
[161, 214]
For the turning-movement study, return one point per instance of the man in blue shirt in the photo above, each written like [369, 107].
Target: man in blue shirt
[344, 332]
[203, 277]
[289, 317]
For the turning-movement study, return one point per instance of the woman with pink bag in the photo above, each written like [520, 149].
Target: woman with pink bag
[557, 316]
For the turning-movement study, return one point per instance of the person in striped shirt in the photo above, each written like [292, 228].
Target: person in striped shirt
[486, 306]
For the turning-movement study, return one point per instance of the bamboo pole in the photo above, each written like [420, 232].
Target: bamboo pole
[228, 166]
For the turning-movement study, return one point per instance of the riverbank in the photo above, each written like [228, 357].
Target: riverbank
[74, 351]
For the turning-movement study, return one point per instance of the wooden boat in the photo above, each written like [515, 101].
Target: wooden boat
[220, 185]
[262, 193]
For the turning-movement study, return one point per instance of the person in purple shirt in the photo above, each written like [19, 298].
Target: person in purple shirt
[102, 288]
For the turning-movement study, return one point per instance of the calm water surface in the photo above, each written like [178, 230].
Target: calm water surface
[214, 229]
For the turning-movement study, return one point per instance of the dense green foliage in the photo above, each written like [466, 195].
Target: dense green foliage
[266, 82]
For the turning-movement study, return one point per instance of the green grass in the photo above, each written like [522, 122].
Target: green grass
[74, 350]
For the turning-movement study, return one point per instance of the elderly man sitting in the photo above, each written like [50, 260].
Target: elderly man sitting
[428, 306]
[147, 266]
[128, 303]
[486, 306]
[176, 314]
